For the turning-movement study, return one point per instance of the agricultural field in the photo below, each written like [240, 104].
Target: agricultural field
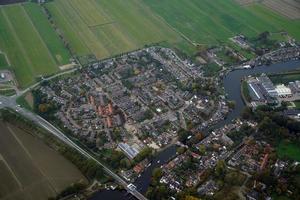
[106, 28]
[31, 170]
[212, 22]
[288, 8]
[29, 42]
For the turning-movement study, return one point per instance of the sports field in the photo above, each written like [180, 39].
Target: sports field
[109, 27]
[32, 46]
[29, 169]
[210, 22]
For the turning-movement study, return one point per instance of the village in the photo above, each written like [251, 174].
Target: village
[133, 101]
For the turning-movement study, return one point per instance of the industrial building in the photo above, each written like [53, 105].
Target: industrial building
[267, 85]
[129, 151]
[283, 91]
[262, 90]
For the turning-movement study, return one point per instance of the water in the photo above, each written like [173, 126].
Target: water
[232, 85]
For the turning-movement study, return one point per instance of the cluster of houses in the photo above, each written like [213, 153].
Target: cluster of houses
[132, 101]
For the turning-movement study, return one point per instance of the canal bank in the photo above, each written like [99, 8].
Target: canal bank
[232, 86]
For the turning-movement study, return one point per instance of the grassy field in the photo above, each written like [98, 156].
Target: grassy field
[29, 169]
[3, 62]
[285, 78]
[211, 22]
[43, 26]
[24, 31]
[245, 91]
[211, 69]
[290, 150]
[106, 28]
[7, 92]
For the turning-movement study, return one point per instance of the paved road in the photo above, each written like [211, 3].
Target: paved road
[10, 102]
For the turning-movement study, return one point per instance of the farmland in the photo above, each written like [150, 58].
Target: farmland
[288, 8]
[28, 40]
[29, 169]
[106, 28]
[211, 22]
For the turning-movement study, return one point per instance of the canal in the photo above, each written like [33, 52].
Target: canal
[232, 86]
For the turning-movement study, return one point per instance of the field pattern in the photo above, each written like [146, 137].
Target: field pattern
[106, 28]
[47, 33]
[209, 22]
[29, 169]
[33, 49]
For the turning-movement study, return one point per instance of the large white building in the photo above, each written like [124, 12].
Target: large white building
[283, 91]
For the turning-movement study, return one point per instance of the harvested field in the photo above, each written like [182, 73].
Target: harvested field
[29, 169]
[287, 8]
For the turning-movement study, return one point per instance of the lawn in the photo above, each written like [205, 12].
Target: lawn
[24, 44]
[290, 150]
[211, 22]
[107, 28]
[29, 169]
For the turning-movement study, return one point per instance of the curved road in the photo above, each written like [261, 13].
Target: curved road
[10, 102]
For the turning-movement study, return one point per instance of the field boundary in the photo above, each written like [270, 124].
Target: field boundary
[11, 171]
[39, 36]
[50, 183]
[18, 41]
[6, 58]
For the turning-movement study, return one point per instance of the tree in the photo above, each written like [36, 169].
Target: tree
[145, 153]
[182, 135]
[220, 168]
[202, 149]
[181, 150]
[157, 173]
[191, 198]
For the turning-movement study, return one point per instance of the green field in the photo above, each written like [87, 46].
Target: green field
[3, 62]
[211, 22]
[54, 44]
[285, 78]
[289, 150]
[106, 28]
[32, 48]
[31, 170]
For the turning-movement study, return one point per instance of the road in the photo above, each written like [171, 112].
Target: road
[10, 102]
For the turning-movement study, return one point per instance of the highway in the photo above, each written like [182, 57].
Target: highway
[10, 102]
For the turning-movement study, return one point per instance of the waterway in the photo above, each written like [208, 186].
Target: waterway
[232, 86]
